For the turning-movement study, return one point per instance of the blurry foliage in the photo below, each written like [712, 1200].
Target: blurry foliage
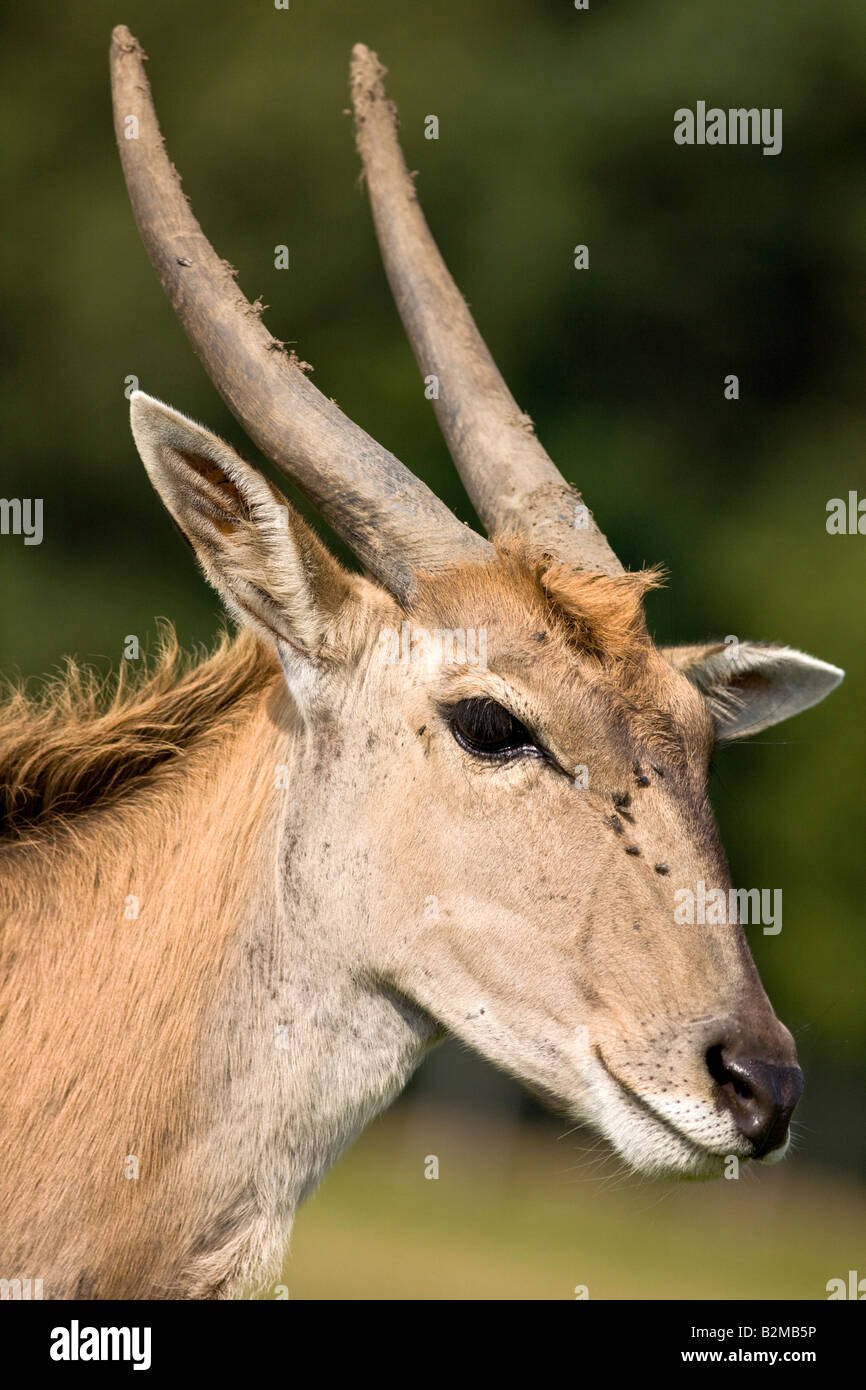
[556, 127]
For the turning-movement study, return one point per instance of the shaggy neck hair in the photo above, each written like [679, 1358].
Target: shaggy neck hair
[82, 741]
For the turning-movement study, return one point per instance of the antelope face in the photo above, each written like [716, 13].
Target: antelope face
[535, 816]
[494, 840]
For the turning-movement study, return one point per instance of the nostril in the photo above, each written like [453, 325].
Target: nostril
[761, 1096]
[719, 1072]
[723, 1075]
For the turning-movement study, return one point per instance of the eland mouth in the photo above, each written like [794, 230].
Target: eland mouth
[746, 1116]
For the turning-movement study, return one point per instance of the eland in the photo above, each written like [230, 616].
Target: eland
[243, 897]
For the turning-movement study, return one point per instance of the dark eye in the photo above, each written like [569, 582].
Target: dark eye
[487, 730]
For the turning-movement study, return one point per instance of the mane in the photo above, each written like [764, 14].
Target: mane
[83, 740]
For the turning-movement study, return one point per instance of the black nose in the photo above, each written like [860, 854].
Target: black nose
[760, 1095]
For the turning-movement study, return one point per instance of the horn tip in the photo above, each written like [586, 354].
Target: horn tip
[123, 41]
[366, 68]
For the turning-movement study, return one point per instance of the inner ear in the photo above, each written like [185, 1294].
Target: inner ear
[268, 566]
[212, 473]
[753, 685]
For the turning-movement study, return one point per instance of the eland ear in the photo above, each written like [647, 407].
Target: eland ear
[750, 686]
[269, 568]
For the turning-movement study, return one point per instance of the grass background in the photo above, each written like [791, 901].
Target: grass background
[521, 1214]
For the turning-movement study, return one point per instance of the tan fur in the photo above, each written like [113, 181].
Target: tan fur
[600, 615]
[282, 834]
[102, 1016]
[77, 741]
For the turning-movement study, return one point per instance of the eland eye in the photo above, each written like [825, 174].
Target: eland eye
[488, 730]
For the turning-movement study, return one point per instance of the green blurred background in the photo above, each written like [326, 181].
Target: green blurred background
[556, 128]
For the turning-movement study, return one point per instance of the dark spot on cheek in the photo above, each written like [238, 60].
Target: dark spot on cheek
[632, 849]
[635, 926]
[662, 869]
[657, 770]
[422, 730]
[622, 799]
[616, 824]
[539, 636]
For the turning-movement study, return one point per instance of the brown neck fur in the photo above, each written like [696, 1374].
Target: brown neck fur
[77, 745]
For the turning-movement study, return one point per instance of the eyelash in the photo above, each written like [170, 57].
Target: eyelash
[488, 731]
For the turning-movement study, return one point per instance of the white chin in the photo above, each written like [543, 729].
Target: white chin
[655, 1152]
[776, 1155]
[651, 1144]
